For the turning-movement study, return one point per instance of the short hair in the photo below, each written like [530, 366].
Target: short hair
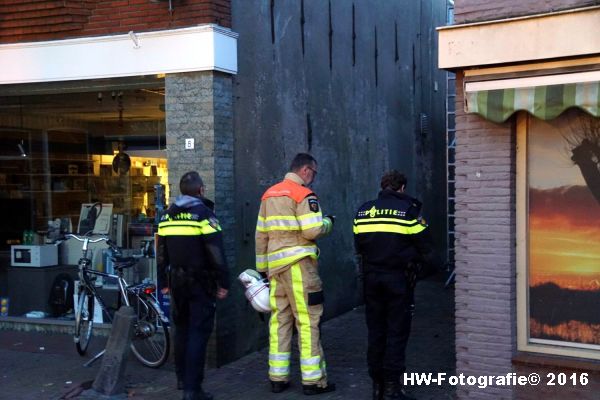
[190, 183]
[300, 160]
[393, 180]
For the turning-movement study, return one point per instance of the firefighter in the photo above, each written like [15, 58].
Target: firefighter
[391, 239]
[190, 258]
[289, 222]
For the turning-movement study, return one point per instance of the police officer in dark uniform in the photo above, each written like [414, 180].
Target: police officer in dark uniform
[391, 240]
[190, 258]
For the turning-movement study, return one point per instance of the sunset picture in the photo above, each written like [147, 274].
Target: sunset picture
[564, 229]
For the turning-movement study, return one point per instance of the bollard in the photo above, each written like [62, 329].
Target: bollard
[110, 378]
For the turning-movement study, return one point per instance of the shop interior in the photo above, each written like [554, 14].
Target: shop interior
[80, 157]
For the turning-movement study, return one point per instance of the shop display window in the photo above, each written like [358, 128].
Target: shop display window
[65, 148]
[559, 244]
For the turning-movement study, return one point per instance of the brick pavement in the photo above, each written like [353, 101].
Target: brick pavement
[26, 372]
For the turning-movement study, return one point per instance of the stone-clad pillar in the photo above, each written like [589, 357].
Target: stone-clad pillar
[199, 106]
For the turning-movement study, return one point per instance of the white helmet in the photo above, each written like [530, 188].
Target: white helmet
[257, 290]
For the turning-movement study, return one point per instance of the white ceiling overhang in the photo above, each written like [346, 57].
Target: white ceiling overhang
[199, 48]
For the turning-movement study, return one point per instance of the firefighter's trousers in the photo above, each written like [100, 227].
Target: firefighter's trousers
[296, 296]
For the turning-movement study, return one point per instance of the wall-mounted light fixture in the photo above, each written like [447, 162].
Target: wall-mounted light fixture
[22, 149]
[134, 39]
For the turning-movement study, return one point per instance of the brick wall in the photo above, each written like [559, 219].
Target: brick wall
[35, 20]
[199, 106]
[485, 250]
[224, 199]
[486, 10]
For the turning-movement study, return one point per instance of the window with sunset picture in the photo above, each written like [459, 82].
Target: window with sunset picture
[559, 242]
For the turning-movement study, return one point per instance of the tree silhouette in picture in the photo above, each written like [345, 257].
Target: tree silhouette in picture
[584, 145]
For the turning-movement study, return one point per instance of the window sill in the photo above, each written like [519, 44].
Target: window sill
[543, 360]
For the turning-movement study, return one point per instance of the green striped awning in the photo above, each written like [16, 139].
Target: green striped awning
[544, 102]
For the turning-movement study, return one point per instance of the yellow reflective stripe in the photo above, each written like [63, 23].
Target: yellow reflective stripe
[186, 228]
[277, 223]
[261, 262]
[309, 365]
[288, 249]
[202, 223]
[312, 375]
[280, 356]
[289, 223]
[179, 231]
[312, 361]
[277, 228]
[399, 221]
[275, 217]
[279, 363]
[283, 257]
[309, 371]
[311, 220]
[273, 322]
[279, 371]
[389, 228]
[302, 310]
[274, 363]
[309, 215]
[290, 255]
[315, 225]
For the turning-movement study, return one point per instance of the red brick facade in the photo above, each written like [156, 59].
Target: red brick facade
[486, 10]
[37, 20]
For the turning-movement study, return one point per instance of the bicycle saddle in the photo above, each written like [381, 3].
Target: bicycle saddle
[124, 262]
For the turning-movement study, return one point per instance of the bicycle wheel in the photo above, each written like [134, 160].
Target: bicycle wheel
[84, 321]
[151, 341]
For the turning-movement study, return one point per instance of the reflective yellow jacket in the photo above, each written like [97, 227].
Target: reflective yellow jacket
[289, 222]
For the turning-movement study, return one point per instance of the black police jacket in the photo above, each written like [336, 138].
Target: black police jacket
[389, 232]
[190, 248]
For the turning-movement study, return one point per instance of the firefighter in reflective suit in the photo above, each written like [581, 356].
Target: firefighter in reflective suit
[391, 239]
[289, 222]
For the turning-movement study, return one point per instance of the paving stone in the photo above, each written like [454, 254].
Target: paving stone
[28, 373]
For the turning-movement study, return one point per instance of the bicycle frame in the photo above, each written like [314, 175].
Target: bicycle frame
[85, 281]
[142, 294]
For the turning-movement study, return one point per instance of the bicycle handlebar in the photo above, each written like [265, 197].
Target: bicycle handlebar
[96, 240]
[83, 238]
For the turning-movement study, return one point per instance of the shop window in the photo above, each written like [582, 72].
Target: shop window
[66, 146]
[558, 225]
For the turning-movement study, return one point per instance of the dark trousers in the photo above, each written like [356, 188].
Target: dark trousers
[193, 313]
[388, 308]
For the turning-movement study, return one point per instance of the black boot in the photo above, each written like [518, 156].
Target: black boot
[279, 386]
[197, 395]
[311, 390]
[393, 391]
[377, 390]
[205, 395]
[190, 395]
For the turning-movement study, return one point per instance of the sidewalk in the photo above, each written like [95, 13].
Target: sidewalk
[43, 366]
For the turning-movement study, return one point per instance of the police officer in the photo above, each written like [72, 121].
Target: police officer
[190, 258]
[390, 238]
[289, 222]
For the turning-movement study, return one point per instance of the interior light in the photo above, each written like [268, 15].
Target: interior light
[21, 149]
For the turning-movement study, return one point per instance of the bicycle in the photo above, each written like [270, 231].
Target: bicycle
[151, 342]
